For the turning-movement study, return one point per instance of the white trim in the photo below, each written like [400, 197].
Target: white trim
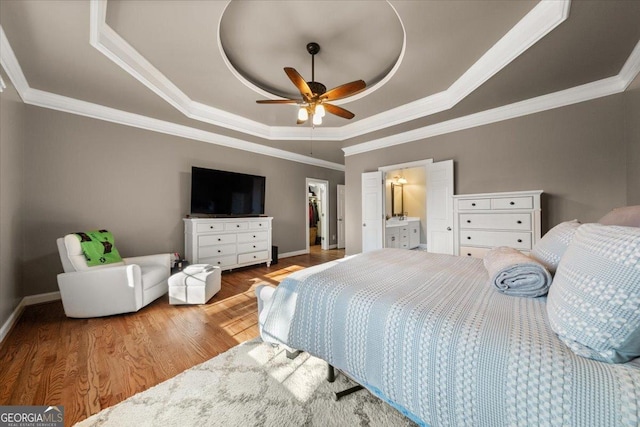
[294, 253]
[3, 86]
[17, 312]
[11, 66]
[11, 321]
[586, 92]
[542, 19]
[41, 298]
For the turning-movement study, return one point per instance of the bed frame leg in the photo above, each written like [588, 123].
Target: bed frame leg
[331, 374]
[337, 395]
[331, 377]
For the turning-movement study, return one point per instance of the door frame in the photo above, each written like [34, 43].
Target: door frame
[389, 168]
[324, 224]
[340, 222]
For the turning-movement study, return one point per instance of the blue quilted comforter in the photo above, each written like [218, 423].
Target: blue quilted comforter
[430, 335]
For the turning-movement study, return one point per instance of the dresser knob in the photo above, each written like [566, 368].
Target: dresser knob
[219, 239]
[468, 221]
[473, 204]
[512, 203]
[468, 237]
[519, 222]
[468, 254]
[219, 251]
[254, 236]
[519, 240]
[211, 226]
[238, 225]
[254, 246]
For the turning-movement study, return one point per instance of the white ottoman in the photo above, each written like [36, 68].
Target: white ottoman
[196, 284]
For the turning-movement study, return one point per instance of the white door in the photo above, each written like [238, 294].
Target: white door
[340, 211]
[440, 207]
[372, 217]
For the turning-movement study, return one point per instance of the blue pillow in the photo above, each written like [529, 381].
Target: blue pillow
[594, 300]
[552, 246]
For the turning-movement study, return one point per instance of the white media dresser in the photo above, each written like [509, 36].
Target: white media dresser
[228, 242]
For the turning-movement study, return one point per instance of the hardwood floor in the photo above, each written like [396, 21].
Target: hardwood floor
[87, 365]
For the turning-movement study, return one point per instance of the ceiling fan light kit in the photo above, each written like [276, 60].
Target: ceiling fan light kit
[315, 96]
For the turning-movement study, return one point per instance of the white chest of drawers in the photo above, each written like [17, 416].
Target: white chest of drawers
[228, 242]
[488, 220]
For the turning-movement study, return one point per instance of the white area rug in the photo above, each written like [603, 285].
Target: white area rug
[253, 384]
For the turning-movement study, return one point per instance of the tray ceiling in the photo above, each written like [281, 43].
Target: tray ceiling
[174, 66]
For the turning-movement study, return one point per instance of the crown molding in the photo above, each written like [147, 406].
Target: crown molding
[542, 19]
[605, 87]
[11, 66]
[65, 104]
[586, 92]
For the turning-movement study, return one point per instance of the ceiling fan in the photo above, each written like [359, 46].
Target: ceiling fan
[315, 97]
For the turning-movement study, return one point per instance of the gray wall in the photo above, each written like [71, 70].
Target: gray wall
[632, 126]
[12, 125]
[576, 154]
[83, 174]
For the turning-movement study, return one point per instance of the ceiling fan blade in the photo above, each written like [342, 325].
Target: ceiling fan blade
[279, 101]
[338, 111]
[344, 90]
[299, 82]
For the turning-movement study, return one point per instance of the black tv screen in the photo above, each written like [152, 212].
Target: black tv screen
[222, 193]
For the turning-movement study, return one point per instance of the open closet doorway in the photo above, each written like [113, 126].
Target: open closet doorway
[317, 213]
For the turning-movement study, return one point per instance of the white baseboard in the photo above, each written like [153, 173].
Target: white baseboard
[26, 301]
[294, 253]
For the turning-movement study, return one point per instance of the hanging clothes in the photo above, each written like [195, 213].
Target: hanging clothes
[314, 215]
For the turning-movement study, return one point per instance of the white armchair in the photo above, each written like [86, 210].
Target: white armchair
[104, 290]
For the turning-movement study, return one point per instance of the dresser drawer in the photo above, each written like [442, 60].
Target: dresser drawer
[474, 252]
[216, 239]
[222, 261]
[466, 204]
[514, 239]
[499, 221]
[252, 247]
[216, 250]
[259, 225]
[253, 257]
[209, 226]
[512, 203]
[236, 226]
[252, 237]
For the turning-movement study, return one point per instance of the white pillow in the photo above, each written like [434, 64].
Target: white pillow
[594, 301]
[552, 246]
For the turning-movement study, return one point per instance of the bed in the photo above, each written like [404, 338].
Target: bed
[430, 335]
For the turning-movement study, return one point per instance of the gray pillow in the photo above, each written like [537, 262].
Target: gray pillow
[551, 247]
[594, 301]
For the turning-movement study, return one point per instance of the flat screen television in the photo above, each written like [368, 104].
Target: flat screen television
[223, 193]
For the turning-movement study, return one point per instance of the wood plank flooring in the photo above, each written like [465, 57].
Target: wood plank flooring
[87, 365]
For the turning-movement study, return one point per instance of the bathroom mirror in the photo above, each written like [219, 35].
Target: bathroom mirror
[397, 203]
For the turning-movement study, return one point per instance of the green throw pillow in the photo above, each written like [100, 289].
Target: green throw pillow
[98, 247]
